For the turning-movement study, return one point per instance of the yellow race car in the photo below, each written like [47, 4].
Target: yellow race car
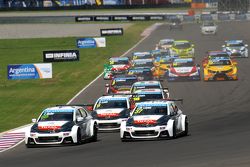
[220, 69]
[182, 48]
[161, 65]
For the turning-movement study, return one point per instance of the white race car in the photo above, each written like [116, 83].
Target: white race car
[110, 111]
[145, 85]
[236, 48]
[154, 120]
[208, 27]
[164, 44]
[61, 125]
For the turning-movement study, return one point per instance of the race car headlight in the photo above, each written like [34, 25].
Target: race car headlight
[34, 128]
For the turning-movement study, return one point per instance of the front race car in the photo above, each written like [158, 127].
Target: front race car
[183, 69]
[236, 48]
[117, 65]
[209, 27]
[152, 120]
[110, 111]
[183, 49]
[59, 125]
[220, 69]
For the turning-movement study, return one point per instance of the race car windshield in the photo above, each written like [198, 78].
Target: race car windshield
[151, 110]
[221, 63]
[208, 24]
[144, 64]
[218, 56]
[145, 97]
[118, 62]
[235, 45]
[183, 64]
[56, 116]
[103, 104]
[182, 45]
[145, 87]
[166, 42]
[146, 56]
[124, 82]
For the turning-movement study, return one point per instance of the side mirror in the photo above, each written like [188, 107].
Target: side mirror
[34, 120]
[106, 85]
[223, 46]
[90, 108]
[79, 119]
[192, 45]
[246, 45]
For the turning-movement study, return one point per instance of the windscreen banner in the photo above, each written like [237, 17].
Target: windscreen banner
[29, 71]
[61, 55]
[91, 42]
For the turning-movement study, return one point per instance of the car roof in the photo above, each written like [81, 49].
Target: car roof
[147, 83]
[234, 41]
[62, 109]
[182, 60]
[149, 91]
[118, 58]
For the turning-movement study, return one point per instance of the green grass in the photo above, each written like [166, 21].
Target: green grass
[21, 100]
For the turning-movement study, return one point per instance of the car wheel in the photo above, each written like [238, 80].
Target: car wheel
[186, 128]
[79, 137]
[94, 137]
[174, 132]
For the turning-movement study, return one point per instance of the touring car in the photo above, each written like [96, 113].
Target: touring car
[164, 44]
[110, 111]
[141, 55]
[147, 94]
[220, 69]
[208, 27]
[62, 125]
[121, 84]
[182, 48]
[117, 65]
[175, 23]
[158, 119]
[142, 73]
[236, 48]
[146, 85]
[162, 64]
[183, 69]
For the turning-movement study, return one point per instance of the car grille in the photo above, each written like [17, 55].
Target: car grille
[108, 125]
[48, 139]
[107, 118]
[49, 131]
[145, 133]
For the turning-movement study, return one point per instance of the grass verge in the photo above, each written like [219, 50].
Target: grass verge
[21, 100]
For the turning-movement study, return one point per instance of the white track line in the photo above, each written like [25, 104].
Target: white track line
[102, 72]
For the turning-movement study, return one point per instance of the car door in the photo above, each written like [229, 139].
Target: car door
[175, 116]
[82, 123]
[87, 119]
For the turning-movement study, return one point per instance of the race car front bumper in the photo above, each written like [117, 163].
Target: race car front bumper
[109, 125]
[220, 77]
[50, 138]
[144, 133]
[172, 77]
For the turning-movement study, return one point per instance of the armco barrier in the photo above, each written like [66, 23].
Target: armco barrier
[188, 18]
[223, 17]
[240, 17]
[206, 17]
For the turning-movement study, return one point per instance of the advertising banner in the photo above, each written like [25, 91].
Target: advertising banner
[84, 18]
[111, 31]
[29, 71]
[91, 42]
[61, 55]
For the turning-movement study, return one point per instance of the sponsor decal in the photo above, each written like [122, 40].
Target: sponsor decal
[102, 18]
[83, 18]
[60, 55]
[121, 18]
[145, 122]
[111, 31]
[49, 127]
[107, 115]
[91, 42]
[29, 71]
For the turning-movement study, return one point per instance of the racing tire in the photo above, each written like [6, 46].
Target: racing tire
[94, 137]
[174, 132]
[186, 128]
[79, 137]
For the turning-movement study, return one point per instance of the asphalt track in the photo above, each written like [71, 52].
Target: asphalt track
[218, 112]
